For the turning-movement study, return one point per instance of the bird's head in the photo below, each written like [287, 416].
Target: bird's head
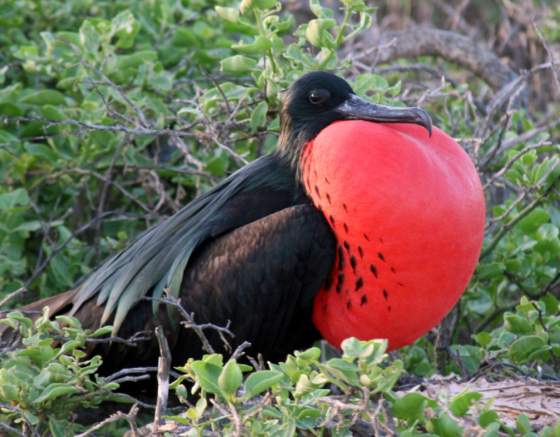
[319, 98]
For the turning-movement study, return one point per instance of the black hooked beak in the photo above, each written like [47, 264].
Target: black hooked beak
[356, 108]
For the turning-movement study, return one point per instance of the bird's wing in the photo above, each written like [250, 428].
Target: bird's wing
[157, 259]
[262, 278]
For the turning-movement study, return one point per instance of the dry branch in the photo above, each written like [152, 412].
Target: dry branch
[164, 364]
[130, 418]
[198, 328]
[462, 50]
[13, 295]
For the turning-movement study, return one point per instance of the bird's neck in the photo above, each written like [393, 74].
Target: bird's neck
[292, 143]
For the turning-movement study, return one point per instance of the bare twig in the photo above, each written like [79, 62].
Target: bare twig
[115, 377]
[527, 135]
[513, 160]
[551, 57]
[55, 251]
[102, 178]
[494, 150]
[27, 427]
[164, 364]
[13, 295]
[511, 91]
[236, 420]
[130, 418]
[432, 71]
[104, 194]
[198, 328]
[99, 127]
[131, 341]
[455, 16]
[10, 429]
[240, 350]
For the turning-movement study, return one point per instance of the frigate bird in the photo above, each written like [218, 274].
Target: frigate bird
[366, 221]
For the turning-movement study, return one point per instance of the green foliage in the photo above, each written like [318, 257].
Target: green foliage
[87, 107]
[529, 336]
[296, 394]
[528, 339]
[307, 394]
[114, 114]
[43, 384]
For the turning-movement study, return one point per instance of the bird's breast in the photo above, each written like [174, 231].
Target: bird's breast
[408, 215]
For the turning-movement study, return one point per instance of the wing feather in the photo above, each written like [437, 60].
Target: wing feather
[157, 259]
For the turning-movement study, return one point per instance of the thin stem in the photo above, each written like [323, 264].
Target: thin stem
[339, 37]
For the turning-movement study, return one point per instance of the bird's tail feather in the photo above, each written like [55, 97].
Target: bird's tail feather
[57, 305]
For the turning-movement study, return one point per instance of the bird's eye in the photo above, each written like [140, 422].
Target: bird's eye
[318, 97]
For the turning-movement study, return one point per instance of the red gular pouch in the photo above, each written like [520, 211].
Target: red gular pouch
[408, 213]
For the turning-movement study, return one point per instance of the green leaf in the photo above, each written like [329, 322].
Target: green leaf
[522, 348]
[342, 370]
[10, 200]
[44, 97]
[488, 417]
[319, 11]
[8, 138]
[247, 5]
[69, 321]
[181, 391]
[42, 151]
[445, 426]
[207, 376]
[69, 346]
[411, 407]
[136, 59]
[372, 350]
[534, 220]
[8, 393]
[302, 386]
[54, 391]
[89, 37]
[196, 412]
[185, 37]
[101, 332]
[358, 6]
[230, 379]
[370, 82]
[309, 355]
[490, 270]
[317, 32]
[237, 64]
[59, 428]
[523, 424]
[483, 338]
[461, 403]
[548, 232]
[258, 47]
[228, 14]
[551, 304]
[125, 28]
[218, 164]
[52, 113]
[517, 324]
[260, 381]
[470, 356]
[18, 316]
[26, 227]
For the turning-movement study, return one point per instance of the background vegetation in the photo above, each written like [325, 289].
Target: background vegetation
[113, 114]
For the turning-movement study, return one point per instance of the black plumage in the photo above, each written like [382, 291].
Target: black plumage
[252, 250]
